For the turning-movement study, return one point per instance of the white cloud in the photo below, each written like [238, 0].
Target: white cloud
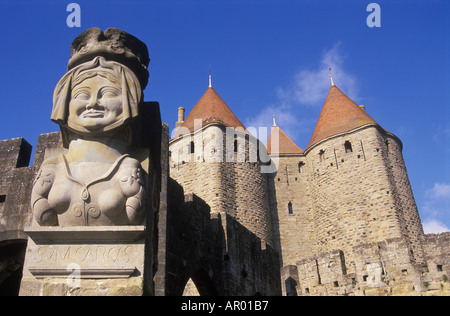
[284, 116]
[308, 90]
[439, 191]
[436, 209]
[310, 87]
[433, 226]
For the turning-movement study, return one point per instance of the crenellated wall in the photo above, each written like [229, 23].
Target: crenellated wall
[382, 269]
[16, 177]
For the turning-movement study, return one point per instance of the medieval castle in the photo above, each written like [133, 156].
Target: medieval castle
[341, 213]
[237, 217]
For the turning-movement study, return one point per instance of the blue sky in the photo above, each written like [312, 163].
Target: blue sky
[267, 57]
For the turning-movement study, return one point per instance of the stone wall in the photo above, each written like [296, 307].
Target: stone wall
[437, 267]
[16, 179]
[211, 253]
[14, 159]
[382, 269]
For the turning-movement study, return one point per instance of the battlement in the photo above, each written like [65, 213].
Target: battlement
[212, 253]
[381, 269]
[14, 153]
[16, 178]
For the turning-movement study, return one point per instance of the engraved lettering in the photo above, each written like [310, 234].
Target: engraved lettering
[102, 254]
[80, 255]
[40, 254]
[114, 254]
[127, 251]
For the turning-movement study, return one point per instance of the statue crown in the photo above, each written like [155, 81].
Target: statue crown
[115, 45]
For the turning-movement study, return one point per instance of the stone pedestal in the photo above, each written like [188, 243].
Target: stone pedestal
[91, 260]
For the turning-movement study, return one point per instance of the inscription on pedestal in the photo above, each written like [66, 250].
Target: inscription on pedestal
[83, 254]
[98, 258]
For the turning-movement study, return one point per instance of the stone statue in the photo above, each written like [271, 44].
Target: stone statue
[95, 181]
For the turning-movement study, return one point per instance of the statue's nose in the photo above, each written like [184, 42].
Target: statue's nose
[93, 102]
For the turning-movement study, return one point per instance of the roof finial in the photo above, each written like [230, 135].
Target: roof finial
[331, 77]
[274, 123]
[210, 81]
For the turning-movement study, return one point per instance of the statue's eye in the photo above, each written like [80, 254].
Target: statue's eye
[110, 92]
[82, 96]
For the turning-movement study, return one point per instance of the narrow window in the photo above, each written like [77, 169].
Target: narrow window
[2, 198]
[348, 147]
[439, 267]
[322, 155]
[235, 145]
[301, 167]
[191, 148]
[290, 210]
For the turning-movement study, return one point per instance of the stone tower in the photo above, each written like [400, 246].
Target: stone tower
[349, 188]
[215, 157]
[360, 180]
[289, 198]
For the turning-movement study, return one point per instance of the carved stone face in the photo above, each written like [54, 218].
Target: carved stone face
[96, 103]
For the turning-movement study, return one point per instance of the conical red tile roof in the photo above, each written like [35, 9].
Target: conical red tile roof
[285, 144]
[339, 114]
[210, 108]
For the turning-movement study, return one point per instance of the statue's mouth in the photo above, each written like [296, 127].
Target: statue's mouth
[94, 114]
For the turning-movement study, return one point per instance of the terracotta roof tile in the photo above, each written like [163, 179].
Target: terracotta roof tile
[210, 108]
[285, 144]
[339, 114]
